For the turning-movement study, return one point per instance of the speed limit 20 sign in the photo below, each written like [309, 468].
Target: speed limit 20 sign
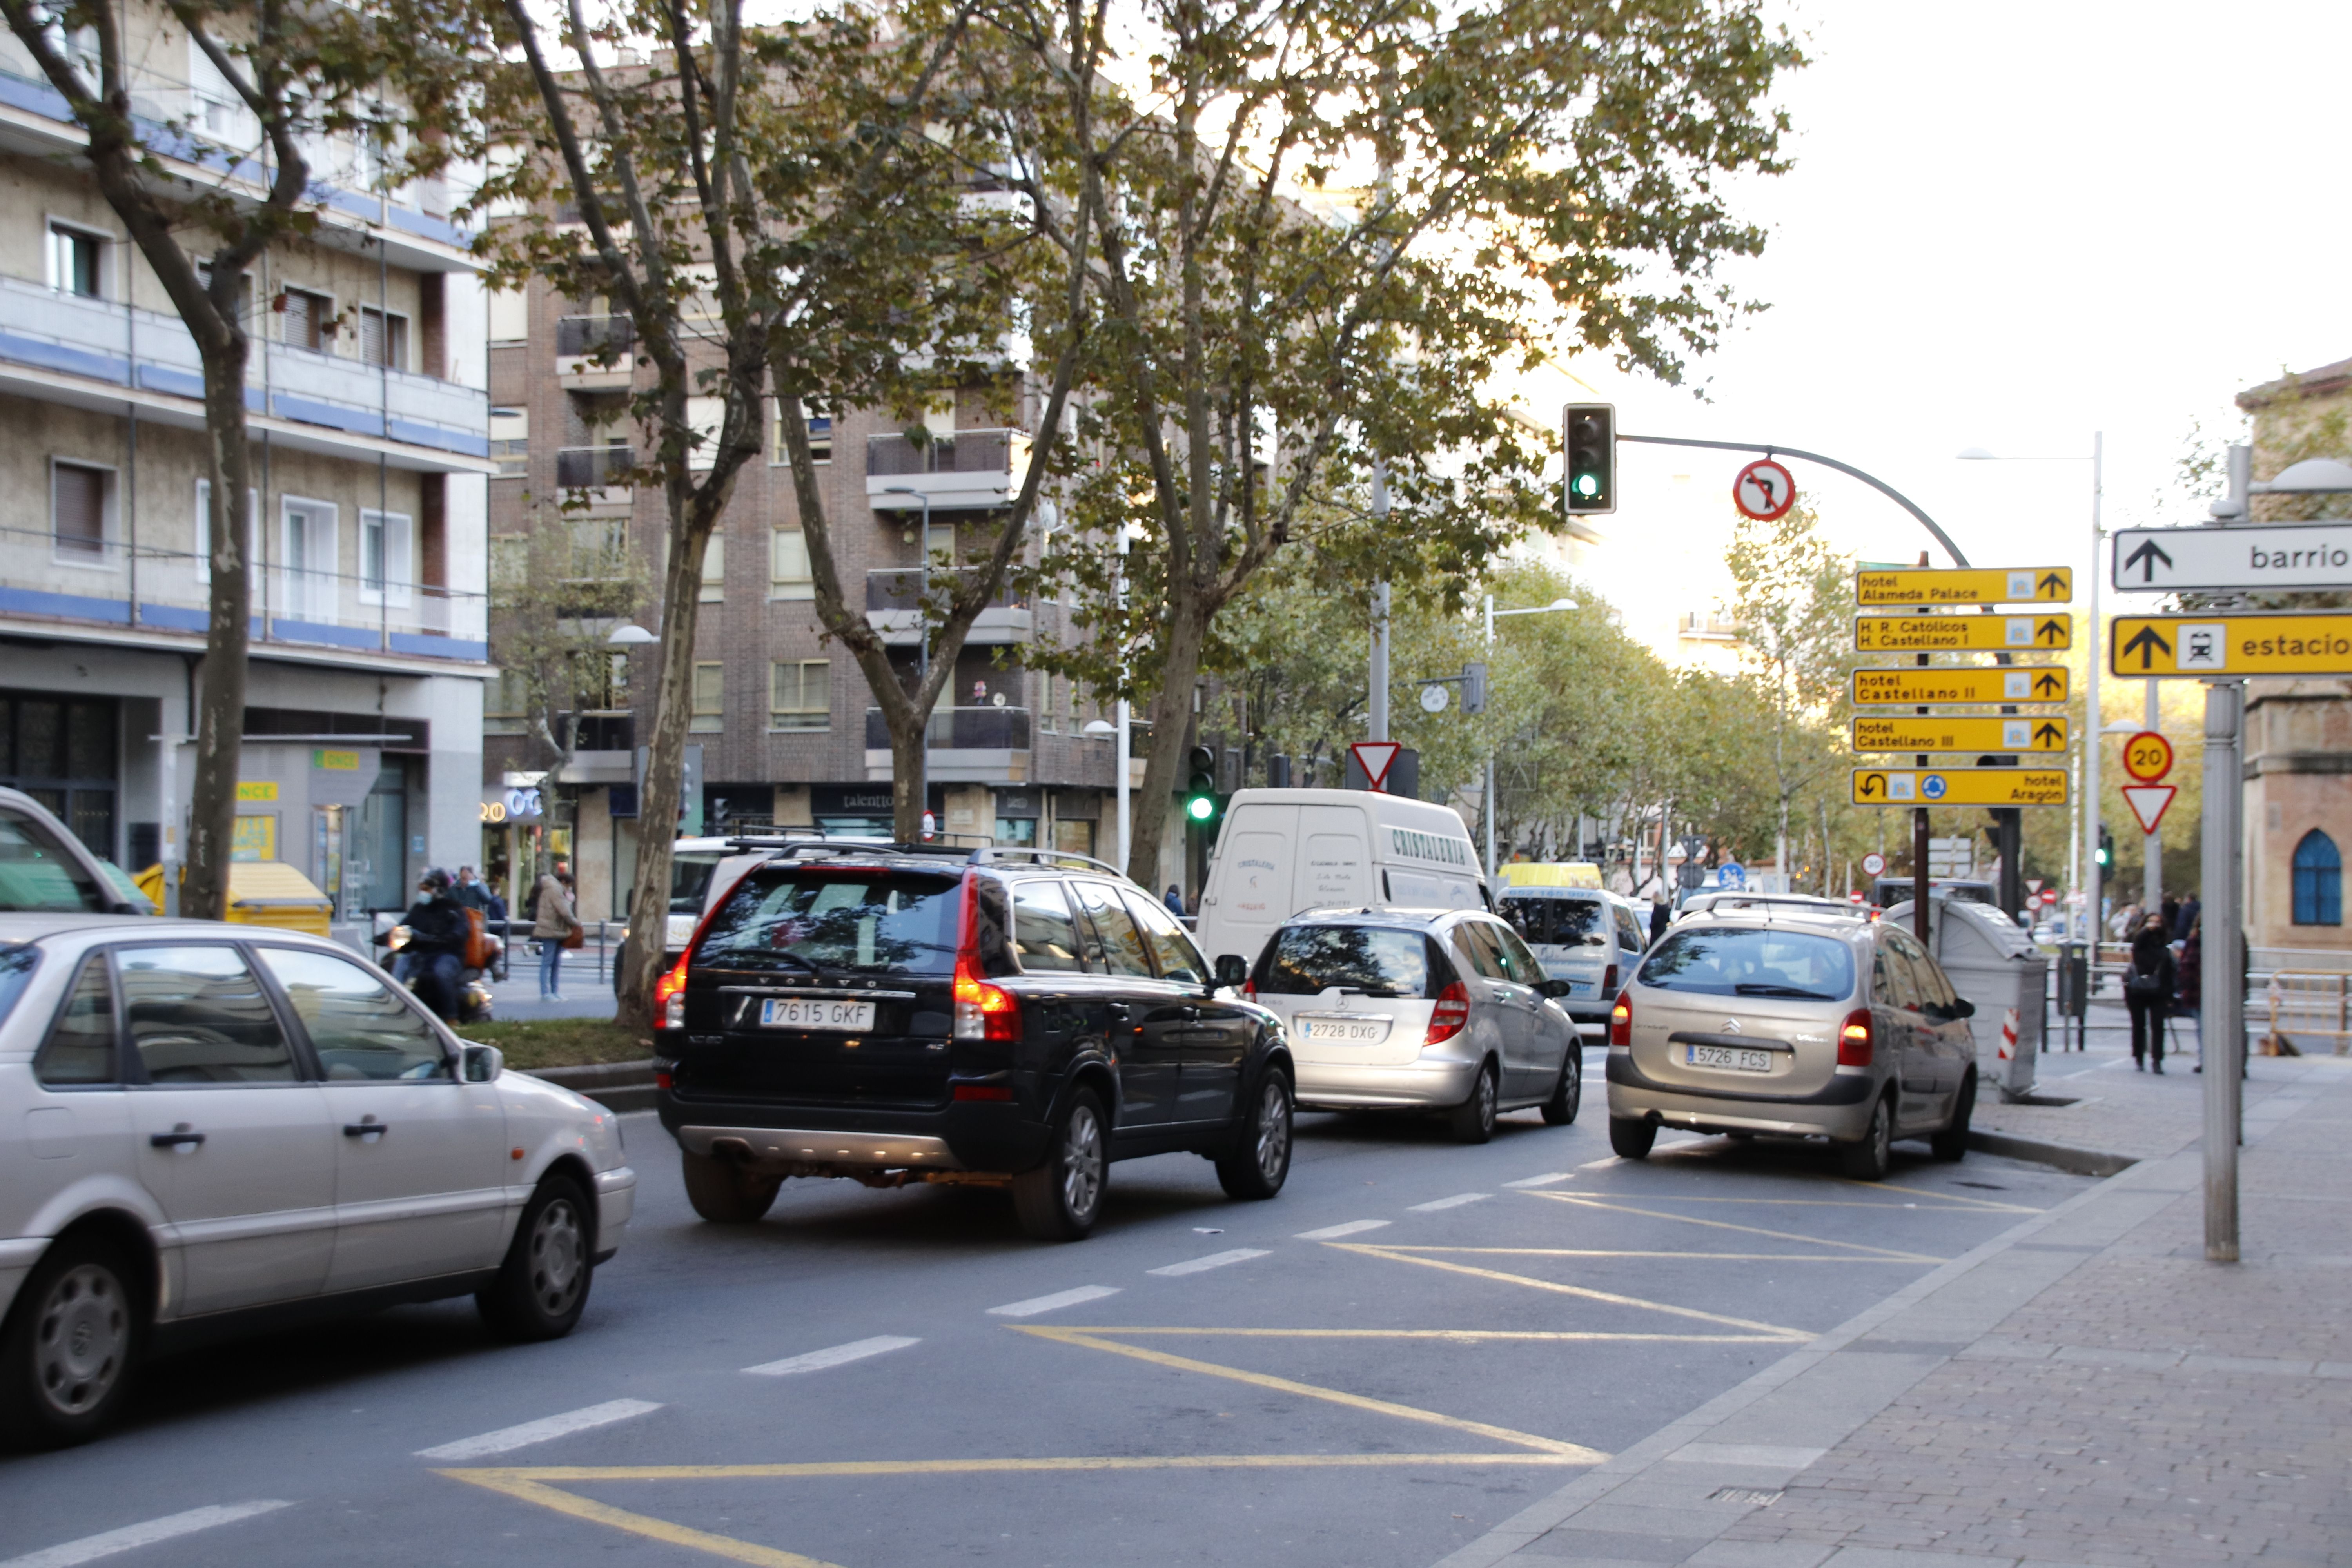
[2148, 756]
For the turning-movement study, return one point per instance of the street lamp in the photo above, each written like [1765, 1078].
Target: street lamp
[2088, 847]
[628, 634]
[1493, 614]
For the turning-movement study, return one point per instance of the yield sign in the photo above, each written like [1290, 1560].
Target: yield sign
[1376, 757]
[2148, 803]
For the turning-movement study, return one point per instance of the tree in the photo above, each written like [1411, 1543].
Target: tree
[371, 72]
[1273, 331]
[1793, 601]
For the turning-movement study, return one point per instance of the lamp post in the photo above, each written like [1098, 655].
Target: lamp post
[922, 627]
[1492, 614]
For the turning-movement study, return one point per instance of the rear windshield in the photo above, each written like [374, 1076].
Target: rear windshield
[1379, 961]
[689, 882]
[1554, 922]
[16, 966]
[1744, 961]
[869, 923]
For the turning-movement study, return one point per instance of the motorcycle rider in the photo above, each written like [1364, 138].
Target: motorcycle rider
[435, 952]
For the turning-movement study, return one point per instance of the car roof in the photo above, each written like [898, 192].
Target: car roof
[1375, 914]
[16, 927]
[1848, 926]
[945, 860]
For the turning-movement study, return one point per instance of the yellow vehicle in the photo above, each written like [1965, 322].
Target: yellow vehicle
[261, 893]
[1561, 874]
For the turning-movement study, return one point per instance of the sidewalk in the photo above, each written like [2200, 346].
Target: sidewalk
[2085, 1390]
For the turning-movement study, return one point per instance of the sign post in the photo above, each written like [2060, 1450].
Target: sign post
[2050, 632]
[1942, 734]
[2298, 557]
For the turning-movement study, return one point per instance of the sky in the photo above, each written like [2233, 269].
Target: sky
[2010, 225]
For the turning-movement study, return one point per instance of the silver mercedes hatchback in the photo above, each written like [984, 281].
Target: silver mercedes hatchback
[1766, 1023]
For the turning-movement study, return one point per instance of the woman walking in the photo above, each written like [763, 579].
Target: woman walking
[2147, 991]
[554, 924]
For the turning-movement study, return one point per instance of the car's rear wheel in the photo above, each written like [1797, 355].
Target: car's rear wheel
[1952, 1143]
[1630, 1139]
[1258, 1162]
[1473, 1120]
[542, 1286]
[1061, 1199]
[1569, 1093]
[1870, 1159]
[724, 1193]
[70, 1348]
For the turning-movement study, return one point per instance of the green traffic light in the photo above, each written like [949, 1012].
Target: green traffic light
[1588, 485]
[1200, 808]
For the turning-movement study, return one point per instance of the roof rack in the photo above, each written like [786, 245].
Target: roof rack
[987, 853]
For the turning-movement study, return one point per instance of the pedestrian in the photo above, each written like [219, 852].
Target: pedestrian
[1175, 899]
[2149, 985]
[1662, 915]
[2187, 918]
[554, 923]
[471, 892]
[494, 923]
[2189, 989]
[2171, 909]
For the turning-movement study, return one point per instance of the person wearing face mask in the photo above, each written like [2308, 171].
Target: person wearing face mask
[436, 954]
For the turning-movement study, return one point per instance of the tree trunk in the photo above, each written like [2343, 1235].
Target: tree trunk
[1171, 706]
[220, 723]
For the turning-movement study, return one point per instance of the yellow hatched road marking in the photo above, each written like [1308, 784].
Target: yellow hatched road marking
[1835, 1203]
[1709, 1257]
[1773, 1331]
[1575, 1452]
[1466, 1336]
[528, 1486]
[1883, 1254]
[1943, 1197]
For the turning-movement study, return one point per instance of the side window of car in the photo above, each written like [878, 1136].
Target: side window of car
[196, 1014]
[1476, 945]
[1516, 960]
[358, 1027]
[1045, 937]
[1890, 979]
[80, 1047]
[1927, 979]
[38, 873]
[1179, 959]
[1122, 944]
[1629, 932]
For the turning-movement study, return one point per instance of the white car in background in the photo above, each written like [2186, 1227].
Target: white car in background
[208, 1127]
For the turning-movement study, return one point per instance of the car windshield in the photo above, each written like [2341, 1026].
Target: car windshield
[17, 965]
[1740, 961]
[811, 921]
[1377, 961]
[38, 874]
[689, 882]
[1555, 921]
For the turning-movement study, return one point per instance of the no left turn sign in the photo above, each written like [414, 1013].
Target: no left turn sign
[1764, 490]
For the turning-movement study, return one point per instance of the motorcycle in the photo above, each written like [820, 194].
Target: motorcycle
[473, 984]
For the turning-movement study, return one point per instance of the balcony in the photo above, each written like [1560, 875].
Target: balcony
[971, 469]
[592, 353]
[112, 593]
[1707, 626]
[983, 745]
[101, 353]
[892, 596]
[594, 468]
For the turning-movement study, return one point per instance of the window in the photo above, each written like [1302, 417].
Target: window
[80, 1047]
[1379, 960]
[1891, 982]
[196, 1014]
[306, 559]
[37, 873]
[1739, 962]
[820, 434]
[709, 698]
[509, 316]
[77, 261]
[505, 705]
[792, 922]
[1517, 962]
[1475, 943]
[705, 416]
[1120, 944]
[384, 338]
[77, 511]
[359, 1028]
[309, 319]
[714, 570]
[800, 694]
[510, 440]
[789, 577]
[385, 560]
[2319, 881]
[1179, 959]
[1554, 922]
[1045, 938]
[1049, 717]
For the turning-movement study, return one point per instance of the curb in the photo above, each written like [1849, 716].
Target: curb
[2064, 1156]
[615, 1086]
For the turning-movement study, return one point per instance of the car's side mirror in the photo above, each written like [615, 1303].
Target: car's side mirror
[1961, 1008]
[1232, 969]
[1554, 988]
[483, 1063]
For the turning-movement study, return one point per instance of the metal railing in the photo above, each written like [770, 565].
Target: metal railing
[2308, 1002]
[901, 588]
[576, 336]
[898, 455]
[593, 467]
[960, 729]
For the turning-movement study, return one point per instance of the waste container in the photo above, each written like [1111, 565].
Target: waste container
[1995, 965]
[261, 893]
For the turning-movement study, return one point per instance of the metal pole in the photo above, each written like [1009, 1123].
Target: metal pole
[2220, 1028]
[1380, 672]
[1125, 713]
[2097, 654]
[1489, 800]
[2152, 845]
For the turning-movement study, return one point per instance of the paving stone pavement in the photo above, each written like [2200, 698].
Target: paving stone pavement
[2085, 1390]
[2116, 1110]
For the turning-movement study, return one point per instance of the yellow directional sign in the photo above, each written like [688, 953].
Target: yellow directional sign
[2234, 644]
[1958, 634]
[1940, 734]
[1964, 585]
[1959, 786]
[2017, 683]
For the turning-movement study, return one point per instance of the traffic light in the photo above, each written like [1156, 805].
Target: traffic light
[1200, 789]
[2106, 854]
[1473, 689]
[1591, 440]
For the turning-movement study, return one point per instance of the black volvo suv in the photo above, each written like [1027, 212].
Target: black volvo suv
[897, 1013]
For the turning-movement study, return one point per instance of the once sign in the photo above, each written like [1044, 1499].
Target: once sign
[1941, 734]
[1764, 490]
[2295, 556]
[2159, 646]
[1964, 585]
[1959, 786]
[2017, 683]
[1960, 633]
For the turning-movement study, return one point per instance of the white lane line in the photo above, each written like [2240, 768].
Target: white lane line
[839, 1355]
[1543, 1181]
[539, 1431]
[1455, 1202]
[1605, 1160]
[1214, 1260]
[90, 1548]
[1054, 1302]
[1334, 1232]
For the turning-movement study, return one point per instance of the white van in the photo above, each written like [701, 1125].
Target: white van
[1285, 850]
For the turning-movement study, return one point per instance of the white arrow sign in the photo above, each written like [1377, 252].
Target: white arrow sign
[2303, 555]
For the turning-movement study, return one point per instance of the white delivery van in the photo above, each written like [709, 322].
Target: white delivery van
[1283, 850]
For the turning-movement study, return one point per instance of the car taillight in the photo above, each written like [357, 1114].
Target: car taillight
[1451, 1017]
[1621, 1020]
[982, 1011]
[669, 997]
[1853, 1039]
[1609, 980]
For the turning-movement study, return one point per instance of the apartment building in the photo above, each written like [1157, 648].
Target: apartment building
[369, 418]
[784, 732]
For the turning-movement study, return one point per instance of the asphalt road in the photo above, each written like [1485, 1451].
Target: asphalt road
[1411, 1343]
